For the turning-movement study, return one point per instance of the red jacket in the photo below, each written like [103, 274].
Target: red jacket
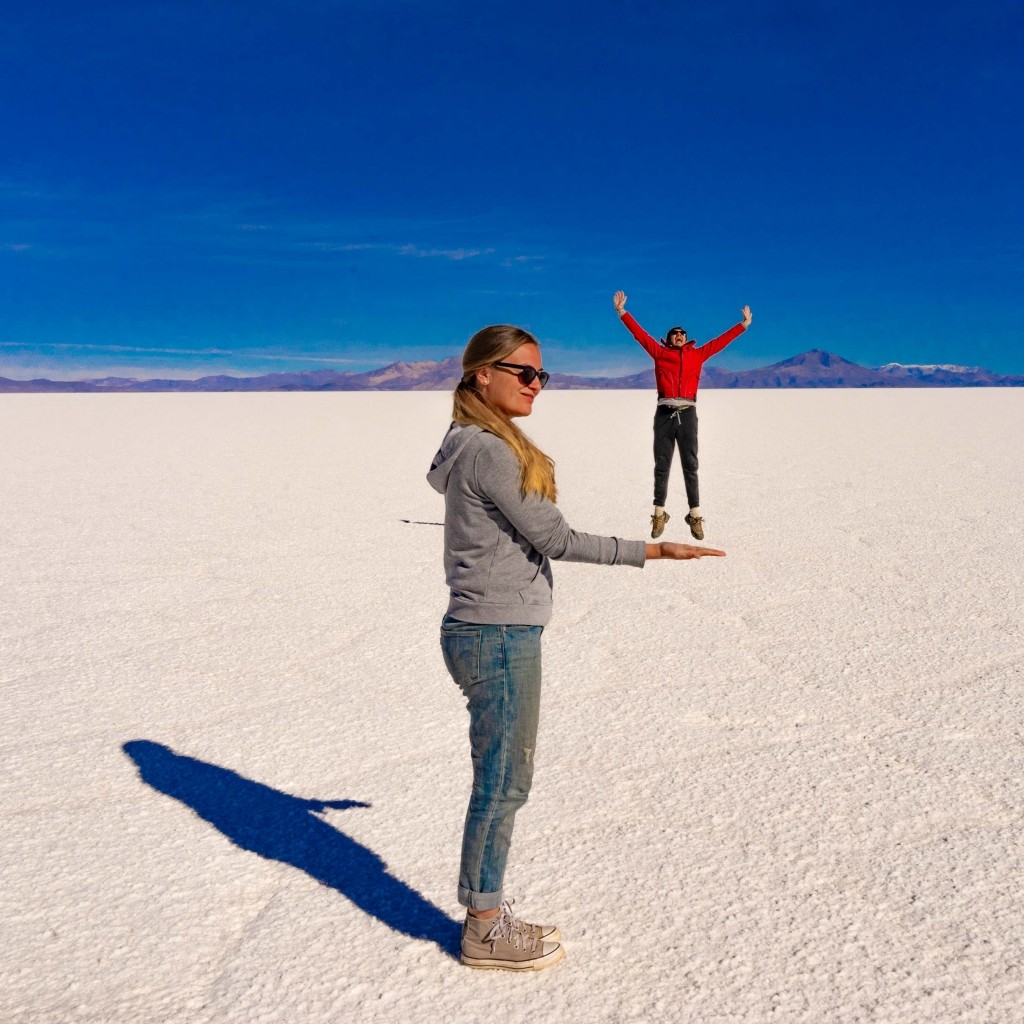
[677, 370]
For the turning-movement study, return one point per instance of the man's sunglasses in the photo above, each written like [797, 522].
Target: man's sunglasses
[682, 334]
[527, 374]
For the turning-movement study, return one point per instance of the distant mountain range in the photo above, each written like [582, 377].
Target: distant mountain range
[813, 369]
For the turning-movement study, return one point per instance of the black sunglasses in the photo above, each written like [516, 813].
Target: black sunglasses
[683, 333]
[527, 374]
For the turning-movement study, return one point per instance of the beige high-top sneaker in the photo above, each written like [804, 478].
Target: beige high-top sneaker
[506, 943]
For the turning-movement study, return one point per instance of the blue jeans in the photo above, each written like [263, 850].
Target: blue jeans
[498, 670]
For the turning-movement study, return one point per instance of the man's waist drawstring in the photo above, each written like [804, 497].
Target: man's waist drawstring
[678, 408]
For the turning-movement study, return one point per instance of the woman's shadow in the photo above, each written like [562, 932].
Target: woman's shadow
[287, 829]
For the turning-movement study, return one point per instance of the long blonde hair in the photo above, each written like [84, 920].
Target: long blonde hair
[487, 347]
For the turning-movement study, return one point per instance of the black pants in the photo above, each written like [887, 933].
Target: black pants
[675, 427]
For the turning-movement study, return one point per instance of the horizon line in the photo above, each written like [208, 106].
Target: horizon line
[243, 376]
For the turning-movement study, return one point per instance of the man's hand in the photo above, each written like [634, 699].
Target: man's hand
[746, 316]
[669, 549]
[619, 298]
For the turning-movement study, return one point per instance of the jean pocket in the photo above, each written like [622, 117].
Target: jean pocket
[461, 652]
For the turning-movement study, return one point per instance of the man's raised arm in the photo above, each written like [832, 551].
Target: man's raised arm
[715, 345]
[646, 341]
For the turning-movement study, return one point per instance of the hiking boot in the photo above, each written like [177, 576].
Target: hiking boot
[696, 525]
[505, 943]
[658, 524]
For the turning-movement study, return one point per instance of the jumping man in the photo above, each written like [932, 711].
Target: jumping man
[677, 366]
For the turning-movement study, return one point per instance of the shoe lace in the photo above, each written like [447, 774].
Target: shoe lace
[515, 932]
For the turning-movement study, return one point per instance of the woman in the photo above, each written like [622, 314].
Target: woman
[677, 366]
[501, 528]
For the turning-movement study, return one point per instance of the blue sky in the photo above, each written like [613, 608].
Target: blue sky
[188, 188]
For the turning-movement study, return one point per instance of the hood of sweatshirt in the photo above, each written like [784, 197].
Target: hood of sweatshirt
[458, 436]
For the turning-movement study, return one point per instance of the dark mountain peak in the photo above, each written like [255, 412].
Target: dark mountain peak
[813, 357]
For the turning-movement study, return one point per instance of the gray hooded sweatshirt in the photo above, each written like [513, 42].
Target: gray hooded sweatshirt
[497, 544]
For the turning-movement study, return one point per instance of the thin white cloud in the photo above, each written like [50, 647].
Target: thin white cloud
[54, 369]
[119, 348]
[250, 354]
[34, 190]
[347, 246]
[448, 254]
[408, 249]
[14, 247]
[253, 229]
[300, 358]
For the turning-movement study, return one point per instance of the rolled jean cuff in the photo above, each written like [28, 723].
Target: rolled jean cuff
[479, 900]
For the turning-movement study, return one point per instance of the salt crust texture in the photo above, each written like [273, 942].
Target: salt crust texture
[782, 786]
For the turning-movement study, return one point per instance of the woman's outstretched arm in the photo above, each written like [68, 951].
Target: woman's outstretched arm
[669, 549]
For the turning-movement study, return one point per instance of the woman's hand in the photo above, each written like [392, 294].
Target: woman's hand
[668, 549]
[619, 298]
[746, 316]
